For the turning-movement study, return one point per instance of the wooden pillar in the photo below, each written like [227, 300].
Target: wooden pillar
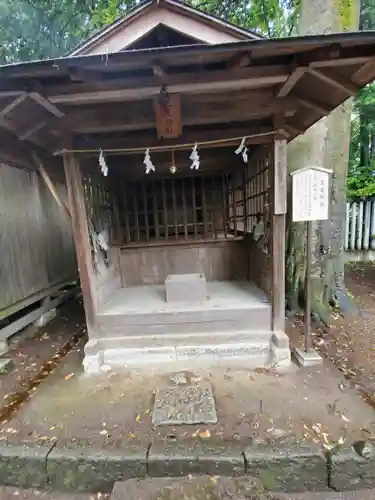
[81, 237]
[278, 216]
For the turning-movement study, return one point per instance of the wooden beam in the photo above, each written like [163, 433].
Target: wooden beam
[240, 60]
[294, 77]
[335, 81]
[16, 102]
[143, 88]
[142, 118]
[74, 185]
[50, 185]
[46, 104]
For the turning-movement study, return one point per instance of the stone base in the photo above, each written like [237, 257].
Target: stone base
[250, 354]
[309, 358]
[280, 350]
[186, 288]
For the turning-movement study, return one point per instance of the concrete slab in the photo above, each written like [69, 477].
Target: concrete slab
[184, 404]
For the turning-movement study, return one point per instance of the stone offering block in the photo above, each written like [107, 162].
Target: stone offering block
[184, 404]
[186, 288]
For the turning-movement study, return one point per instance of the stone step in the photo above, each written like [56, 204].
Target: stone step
[255, 318]
[253, 349]
[150, 489]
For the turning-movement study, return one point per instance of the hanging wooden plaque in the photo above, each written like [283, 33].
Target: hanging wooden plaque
[168, 117]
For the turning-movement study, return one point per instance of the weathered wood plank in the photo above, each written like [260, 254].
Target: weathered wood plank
[81, 236]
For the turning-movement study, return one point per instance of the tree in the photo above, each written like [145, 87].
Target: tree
[325, 144]
[361, 179]
[39, 29]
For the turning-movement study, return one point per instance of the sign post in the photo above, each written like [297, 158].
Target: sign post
[310, 203]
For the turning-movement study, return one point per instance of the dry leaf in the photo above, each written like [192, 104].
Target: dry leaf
[138, 418]
[103, 432]
[345, 419]
[205, 434]
[213, 479]
[70, 376]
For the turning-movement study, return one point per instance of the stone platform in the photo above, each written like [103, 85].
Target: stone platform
[137, 326]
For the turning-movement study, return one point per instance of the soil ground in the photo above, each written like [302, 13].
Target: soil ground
[261, 404]
[349, 342]
[17, 494]
[34, 353]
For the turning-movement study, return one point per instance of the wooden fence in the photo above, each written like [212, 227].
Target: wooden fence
[360, 230]
[36, 244]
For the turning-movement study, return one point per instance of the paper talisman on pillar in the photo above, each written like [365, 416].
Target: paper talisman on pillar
[168, 116]
[310, 194]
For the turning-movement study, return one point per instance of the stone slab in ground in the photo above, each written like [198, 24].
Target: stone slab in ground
[7, 493]
[184, 404]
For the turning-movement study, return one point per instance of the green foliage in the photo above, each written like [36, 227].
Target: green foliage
[361, 173]
[38, 29]
[271, 18]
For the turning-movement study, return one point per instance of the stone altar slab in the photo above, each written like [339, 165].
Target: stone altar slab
[186, 287]
[184, 404]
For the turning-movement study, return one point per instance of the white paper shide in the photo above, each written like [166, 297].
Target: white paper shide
[311, 194]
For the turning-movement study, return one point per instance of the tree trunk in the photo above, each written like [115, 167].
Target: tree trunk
[325, 144]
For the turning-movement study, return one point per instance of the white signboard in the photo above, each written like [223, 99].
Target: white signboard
[310, 194]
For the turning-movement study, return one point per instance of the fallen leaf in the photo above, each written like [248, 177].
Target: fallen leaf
[103, 432]
[70, 376]
[138, 418]
[205, 434]
[345, 419]
[213, 479]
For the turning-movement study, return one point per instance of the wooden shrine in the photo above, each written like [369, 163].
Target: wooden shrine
[207, 109]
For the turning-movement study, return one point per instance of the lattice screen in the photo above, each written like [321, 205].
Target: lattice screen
[191, 208]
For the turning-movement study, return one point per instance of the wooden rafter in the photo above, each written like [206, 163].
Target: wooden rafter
[50, 185]
[294, 77]
[365, 71]
[46, 104]
[335, 81]
[16, 102]
[314, 104]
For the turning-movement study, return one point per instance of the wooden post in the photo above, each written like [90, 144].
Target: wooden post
[278, 203]
[308, 286]
[81, 237]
